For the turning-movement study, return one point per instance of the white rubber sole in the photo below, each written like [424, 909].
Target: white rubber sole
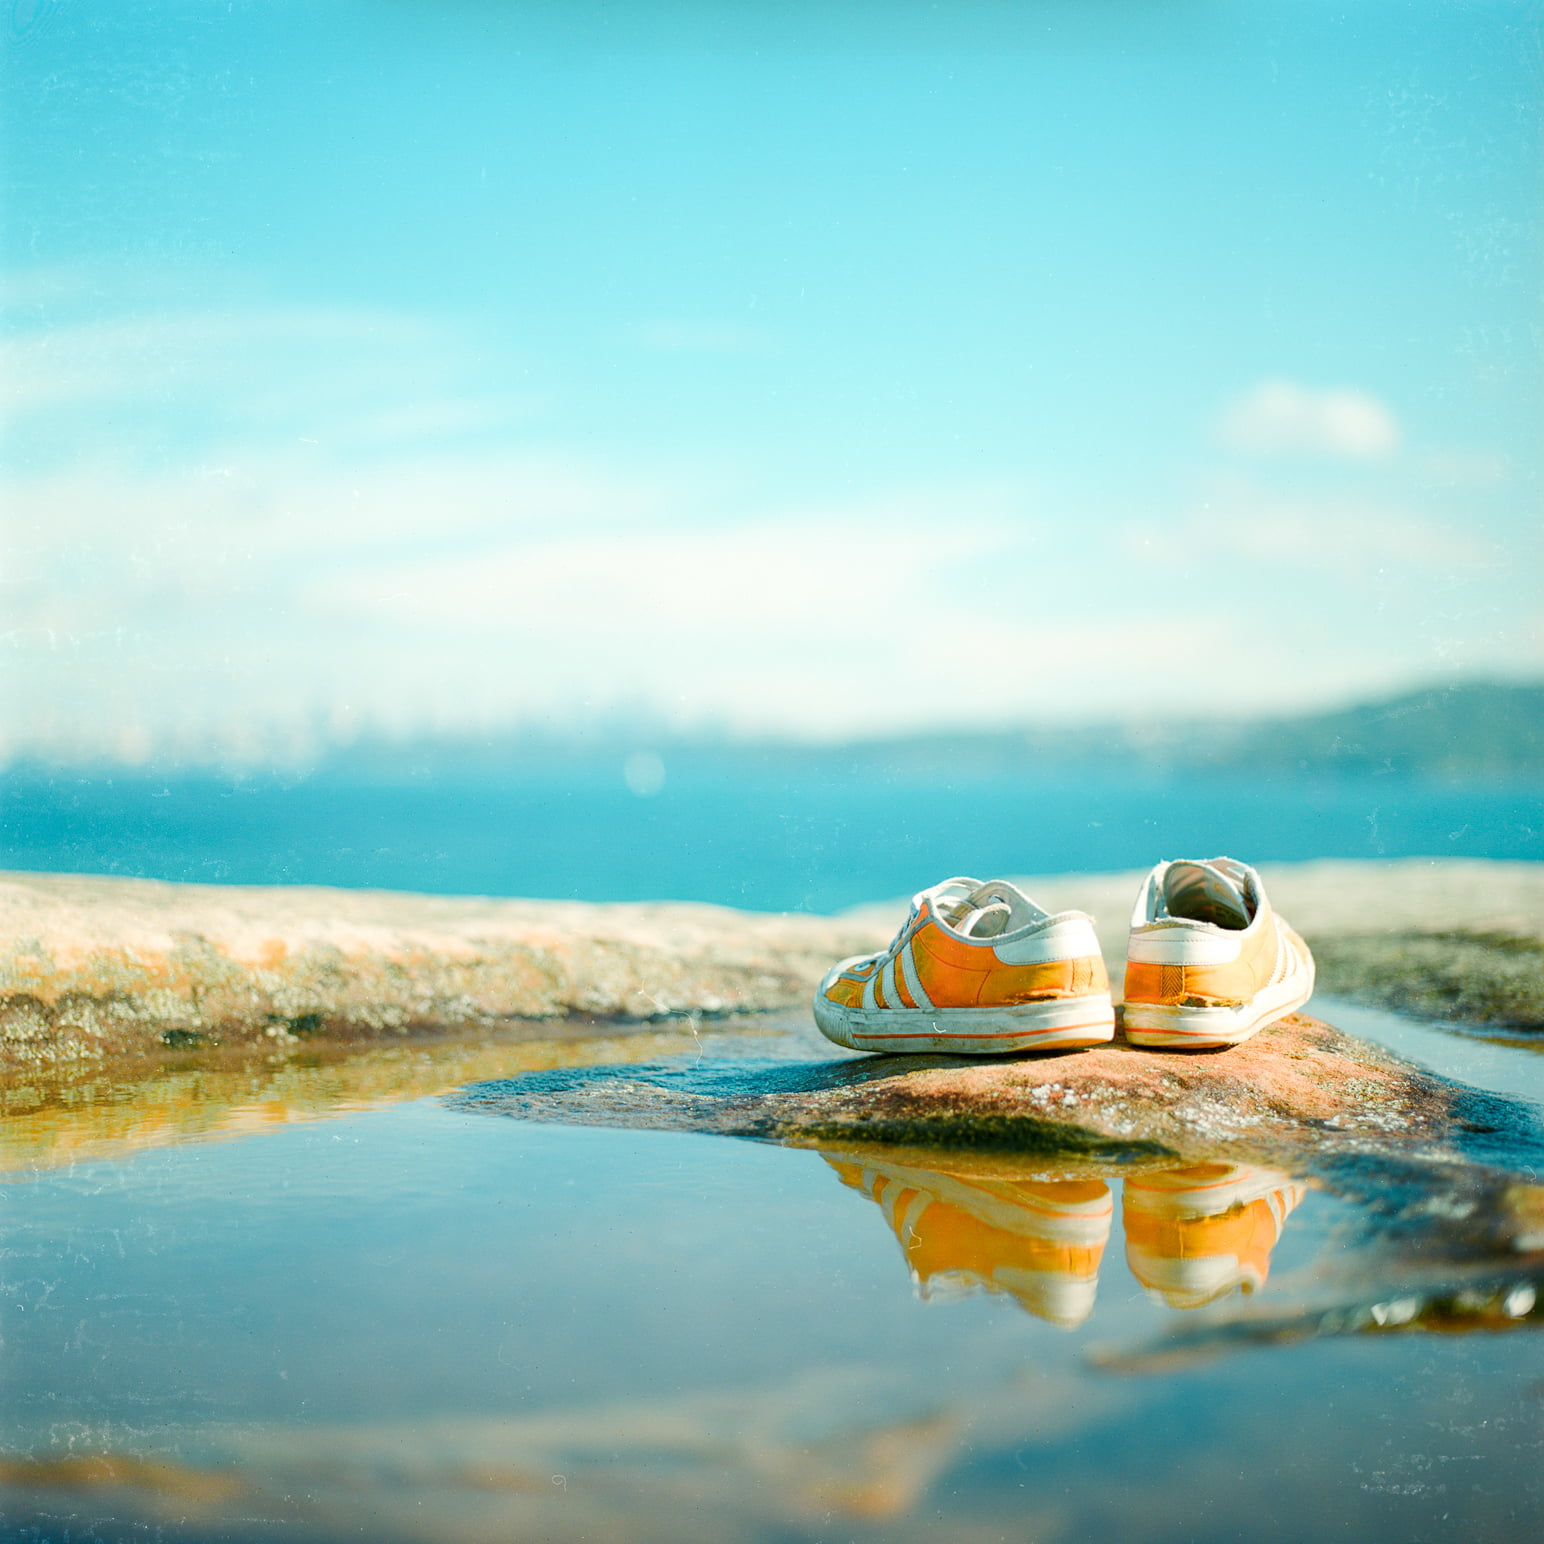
[1160, 1027]
[1059, 1024]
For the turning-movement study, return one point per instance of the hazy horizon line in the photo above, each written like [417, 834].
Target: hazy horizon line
[310, 745]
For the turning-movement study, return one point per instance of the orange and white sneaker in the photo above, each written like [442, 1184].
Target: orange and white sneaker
[1208, 962]
[1037, 1241]
[1195, 1234]
[977, 969]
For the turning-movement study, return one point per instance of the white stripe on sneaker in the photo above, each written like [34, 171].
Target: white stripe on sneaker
[919, 1203]
[913, 981]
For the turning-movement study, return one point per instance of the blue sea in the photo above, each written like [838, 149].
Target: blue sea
[761, 839]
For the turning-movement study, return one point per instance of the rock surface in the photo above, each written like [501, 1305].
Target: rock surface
[90, 966]
[93, 966]
[1298, 1091]
[1492, 978]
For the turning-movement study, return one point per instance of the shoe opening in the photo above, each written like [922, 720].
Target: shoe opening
[1205, 892]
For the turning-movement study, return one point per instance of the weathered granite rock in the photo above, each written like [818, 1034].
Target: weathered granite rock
[95, 965]
[1300, 1091]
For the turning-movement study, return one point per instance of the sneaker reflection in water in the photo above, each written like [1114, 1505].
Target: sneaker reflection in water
[1192, 1234]
[1039, 1241]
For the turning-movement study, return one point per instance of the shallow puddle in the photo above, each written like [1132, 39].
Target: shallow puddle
[414, 1321]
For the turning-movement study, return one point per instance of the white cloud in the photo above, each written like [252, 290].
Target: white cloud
[440, 417]
[128, 359]
[773, 575]
[455, 592]
[1466, 468]
[458, 591]
[255, 519]
[102, 545]
[1338, 537]
[1279, 417]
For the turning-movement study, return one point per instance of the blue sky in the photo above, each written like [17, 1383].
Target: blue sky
[816, 368]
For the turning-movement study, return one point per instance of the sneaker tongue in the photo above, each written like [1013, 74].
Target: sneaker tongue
[983, 910]
[1201, 892]
[996, 907]
[985, 921]
[954, 900]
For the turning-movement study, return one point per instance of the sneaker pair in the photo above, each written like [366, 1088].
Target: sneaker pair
[980, 969]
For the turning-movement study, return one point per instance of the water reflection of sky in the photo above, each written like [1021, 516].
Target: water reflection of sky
[412, 1316]
[434, 1325]
[812, 366]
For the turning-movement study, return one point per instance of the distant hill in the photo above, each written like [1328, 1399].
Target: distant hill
[1487, 730]
[1452, 731]
[1492, 732]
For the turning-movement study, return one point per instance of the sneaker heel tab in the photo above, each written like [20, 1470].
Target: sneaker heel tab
[1148, 904]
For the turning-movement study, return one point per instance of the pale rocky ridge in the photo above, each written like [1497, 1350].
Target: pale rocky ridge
[96, 965]
[92, 965]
